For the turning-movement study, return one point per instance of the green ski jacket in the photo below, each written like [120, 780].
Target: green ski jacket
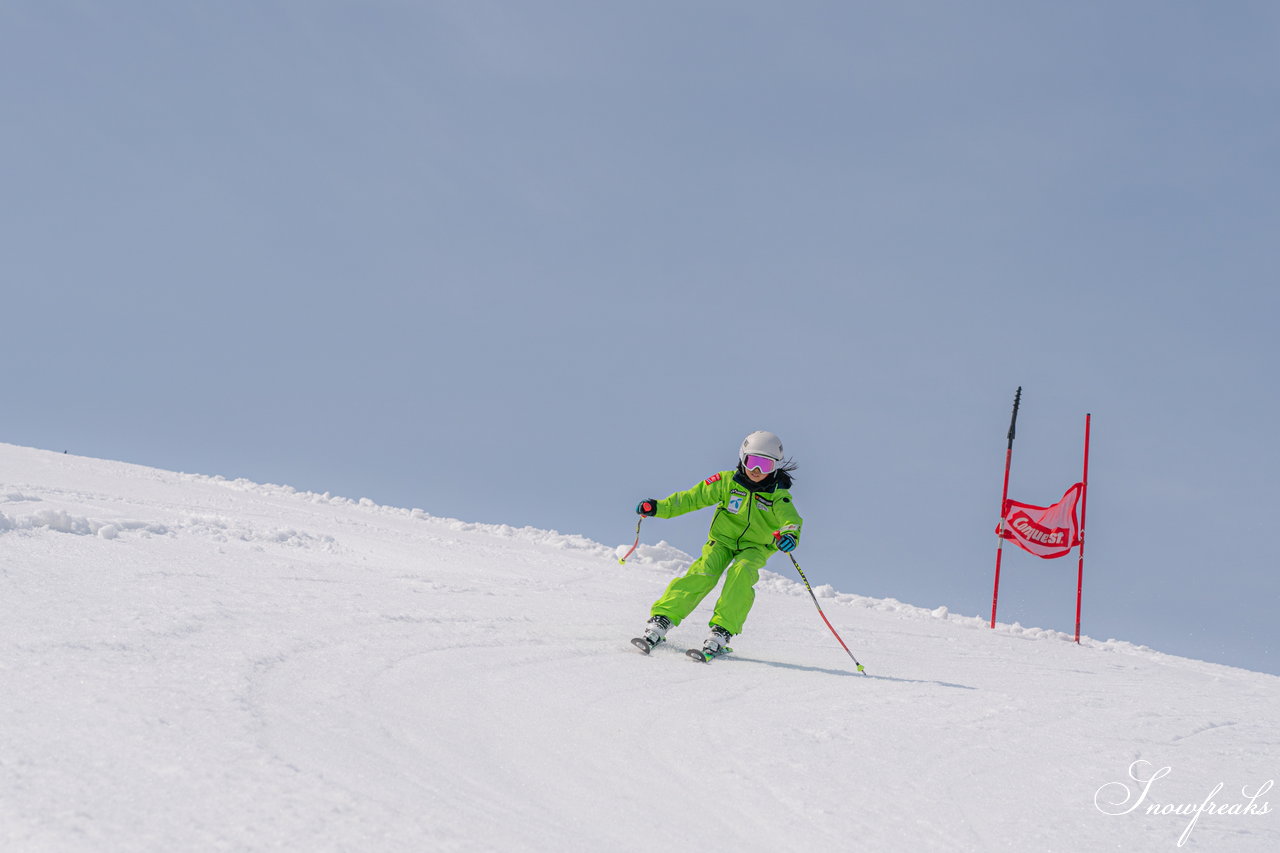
[746, 514]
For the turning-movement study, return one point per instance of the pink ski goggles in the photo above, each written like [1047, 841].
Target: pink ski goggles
[763, 463]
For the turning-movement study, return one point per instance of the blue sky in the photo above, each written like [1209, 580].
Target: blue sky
[529, 263]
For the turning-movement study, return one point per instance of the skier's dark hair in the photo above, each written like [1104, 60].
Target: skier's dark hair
[788, 467]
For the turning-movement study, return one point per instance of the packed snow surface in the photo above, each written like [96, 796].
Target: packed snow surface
[192, 663]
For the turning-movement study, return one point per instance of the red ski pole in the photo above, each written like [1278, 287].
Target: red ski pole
[623, 558]
[820, 613]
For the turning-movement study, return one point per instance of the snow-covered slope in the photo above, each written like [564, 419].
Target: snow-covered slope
[192, 663]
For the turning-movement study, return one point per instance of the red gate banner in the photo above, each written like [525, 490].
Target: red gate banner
[1046, 531]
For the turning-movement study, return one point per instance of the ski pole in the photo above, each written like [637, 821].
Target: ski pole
[623, 558]
[823, 615]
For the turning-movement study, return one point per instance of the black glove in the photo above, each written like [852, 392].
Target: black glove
[786, 541]
[648, 506]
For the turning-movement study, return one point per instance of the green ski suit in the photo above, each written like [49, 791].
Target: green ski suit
[740, 542]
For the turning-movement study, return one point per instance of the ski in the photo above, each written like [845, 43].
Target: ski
[704, 657]
[643, 645]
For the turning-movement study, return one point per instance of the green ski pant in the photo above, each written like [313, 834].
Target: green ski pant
[741, 570]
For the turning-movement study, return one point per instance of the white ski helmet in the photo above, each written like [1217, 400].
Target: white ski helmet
[761, 443]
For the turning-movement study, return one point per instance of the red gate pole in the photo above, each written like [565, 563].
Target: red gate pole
[1084, 508]
[1004, 502]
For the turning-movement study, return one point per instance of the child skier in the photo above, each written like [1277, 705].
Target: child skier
[754, 516]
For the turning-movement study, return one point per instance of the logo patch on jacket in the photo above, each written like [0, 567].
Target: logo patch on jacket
[736, 499]
[714, 478]
[763, 503]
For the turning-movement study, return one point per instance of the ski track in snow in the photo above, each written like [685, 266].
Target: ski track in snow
[195, 663]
